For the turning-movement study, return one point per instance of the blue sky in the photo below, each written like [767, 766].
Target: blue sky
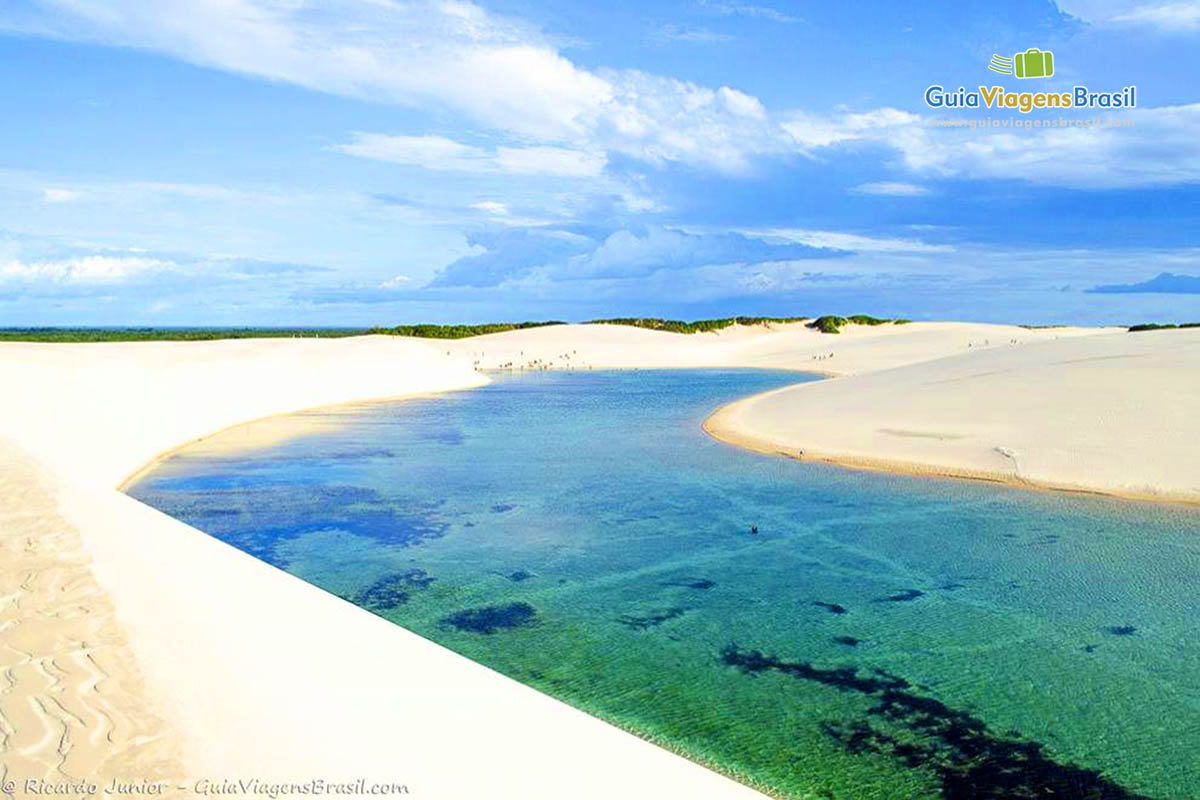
[358, 162]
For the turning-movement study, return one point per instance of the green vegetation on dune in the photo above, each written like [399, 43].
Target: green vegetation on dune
[834, 324]
[699, 326]
[829, 324]
[825, 324]
[1154, 326]
[168, 334]
[430, 331]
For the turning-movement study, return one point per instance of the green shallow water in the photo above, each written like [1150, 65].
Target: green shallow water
[879, 637]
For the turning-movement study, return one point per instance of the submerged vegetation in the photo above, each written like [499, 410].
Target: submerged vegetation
[832, 608]
[392, 590]
[641, 622]
[629, 611]
[969, 760]
[703, 584]
[289, 514]
[491, 619]
[906, 596]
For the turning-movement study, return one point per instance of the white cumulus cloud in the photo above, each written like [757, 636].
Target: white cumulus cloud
[82, 269]
[442, 154]
[435, 54]
[491, 207]
[891, 189]
[553, 117]
[838, 240]
[398, 282]
[1171, 17]
[60, 195]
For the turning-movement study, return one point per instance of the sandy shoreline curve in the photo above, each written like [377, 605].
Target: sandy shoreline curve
[730, 434]
[273, 429]
[1106, 415]
[254, 673]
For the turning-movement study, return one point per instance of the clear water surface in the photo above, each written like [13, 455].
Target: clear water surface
[878, 637]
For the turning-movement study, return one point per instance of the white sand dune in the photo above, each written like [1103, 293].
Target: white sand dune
[199, 661]
[70, 704]
[208, 664]
[1116, 414]
[795, 346]
[96, 413]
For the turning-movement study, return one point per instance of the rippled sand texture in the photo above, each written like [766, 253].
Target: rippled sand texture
[71, 701]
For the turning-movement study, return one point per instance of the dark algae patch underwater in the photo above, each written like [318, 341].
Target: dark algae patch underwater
[881, 638]
[492, 619]
[970, 761]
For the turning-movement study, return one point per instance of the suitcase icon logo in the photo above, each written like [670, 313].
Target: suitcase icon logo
[1033, 63]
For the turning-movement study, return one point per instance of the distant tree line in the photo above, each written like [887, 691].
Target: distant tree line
[825, 324]
[699, 326]
[1154, 326]
[430, 331]
[47, 334]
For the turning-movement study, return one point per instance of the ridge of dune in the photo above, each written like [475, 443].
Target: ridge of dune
[1111, 414]
[793, 346]
[98, 412]
[253, 673]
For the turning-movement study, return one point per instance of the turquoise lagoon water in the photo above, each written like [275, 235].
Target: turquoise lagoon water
[879, 637]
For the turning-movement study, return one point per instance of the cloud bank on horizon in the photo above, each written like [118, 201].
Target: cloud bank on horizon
[378, 161]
